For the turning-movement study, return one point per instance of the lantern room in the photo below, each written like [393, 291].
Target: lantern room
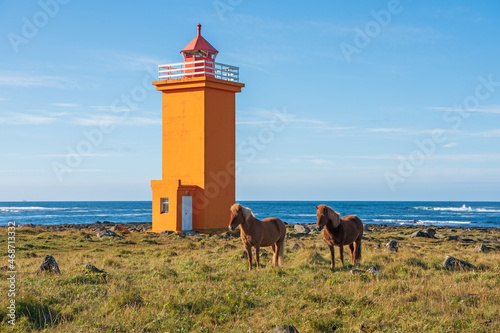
[199, 56]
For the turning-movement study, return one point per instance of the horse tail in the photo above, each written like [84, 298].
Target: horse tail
[281, 252]
[358, 245]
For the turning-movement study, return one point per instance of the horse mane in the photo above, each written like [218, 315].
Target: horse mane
[331, 215]
[247, 212]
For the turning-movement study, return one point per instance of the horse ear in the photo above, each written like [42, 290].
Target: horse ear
[316, 207]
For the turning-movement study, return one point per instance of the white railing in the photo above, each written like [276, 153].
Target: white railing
[199, 68]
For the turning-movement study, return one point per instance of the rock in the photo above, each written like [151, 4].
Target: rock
[189, 233]
[296, 245]
[439, 236]
[230, 247]
[421, 233]
[49, 264]
[27, 225]
[166, 232]
[262, 252]
[392, 245]
[365, 229]
[367, 327]
[301, 229]
[482, 248]
[430, 231]
[376, 247]
[452, 238]
[106, 233]
[91, 269]
[356, 271]
[119, 227]
[452, 263]
[374, 270]
[284, 329]
[87, 236]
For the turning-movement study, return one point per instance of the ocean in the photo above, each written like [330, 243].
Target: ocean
[458, 214]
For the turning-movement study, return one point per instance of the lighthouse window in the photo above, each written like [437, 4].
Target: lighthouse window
[164, 205]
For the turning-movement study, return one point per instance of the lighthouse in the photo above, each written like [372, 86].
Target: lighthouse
[198, 141]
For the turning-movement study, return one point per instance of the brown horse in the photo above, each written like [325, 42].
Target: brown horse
[269, 232]
[340, 231]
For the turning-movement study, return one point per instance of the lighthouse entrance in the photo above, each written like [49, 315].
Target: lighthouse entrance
[187, 213]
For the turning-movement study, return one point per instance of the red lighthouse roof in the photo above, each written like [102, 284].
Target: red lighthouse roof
[199, 44]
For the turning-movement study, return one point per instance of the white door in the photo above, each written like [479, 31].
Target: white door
[187, 213]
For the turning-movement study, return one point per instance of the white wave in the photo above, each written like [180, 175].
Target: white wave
[27, 209]
[464, 208]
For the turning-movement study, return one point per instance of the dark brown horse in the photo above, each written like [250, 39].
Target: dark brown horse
[340, 231]
[269, 232]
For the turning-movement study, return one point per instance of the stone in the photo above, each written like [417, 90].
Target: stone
[166, 232]
[106, 233]
[421, 233]
[296, 245]
[482, 248]
[50, 265]
[88, 268]
[439, 236]
[189, 233]
[230, 247]
[374, 270]
[284, 329]
[87, 236]
[376, 247]
[392, 245]
[453, 263]
[262, 252]
[452, 238]
[356, 271]
[366, 229]
[301, 229]
[122, 229]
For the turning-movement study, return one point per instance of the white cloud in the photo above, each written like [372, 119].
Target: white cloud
[450, 145]
[65, 105]
[493, 109]
[23, 79]
[26, 119]
[100, 120]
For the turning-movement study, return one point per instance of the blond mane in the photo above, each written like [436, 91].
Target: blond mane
[247, 212]
[331, 215]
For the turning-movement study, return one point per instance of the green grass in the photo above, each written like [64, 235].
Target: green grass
[198, 284]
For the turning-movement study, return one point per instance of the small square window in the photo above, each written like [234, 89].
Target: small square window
[164, 205]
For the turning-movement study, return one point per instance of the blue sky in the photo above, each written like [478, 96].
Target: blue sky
[364, 100]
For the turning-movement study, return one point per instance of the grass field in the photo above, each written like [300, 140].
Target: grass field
[201, 283]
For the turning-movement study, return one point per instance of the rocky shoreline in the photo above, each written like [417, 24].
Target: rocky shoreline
[487, 235]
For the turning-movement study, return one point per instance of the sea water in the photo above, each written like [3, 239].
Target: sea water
[472, 214]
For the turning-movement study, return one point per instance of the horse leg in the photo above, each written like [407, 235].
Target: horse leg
[332, 253]
[352, 247]
[257, 248]
[275, 254]
[341, 252]
[249, 255]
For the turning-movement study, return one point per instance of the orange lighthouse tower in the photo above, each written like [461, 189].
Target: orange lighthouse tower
[198, 141]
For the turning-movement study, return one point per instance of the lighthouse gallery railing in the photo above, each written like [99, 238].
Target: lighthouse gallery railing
[198, 68]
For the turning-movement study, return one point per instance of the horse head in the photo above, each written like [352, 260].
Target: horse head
[239, 215]
[325, 214]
